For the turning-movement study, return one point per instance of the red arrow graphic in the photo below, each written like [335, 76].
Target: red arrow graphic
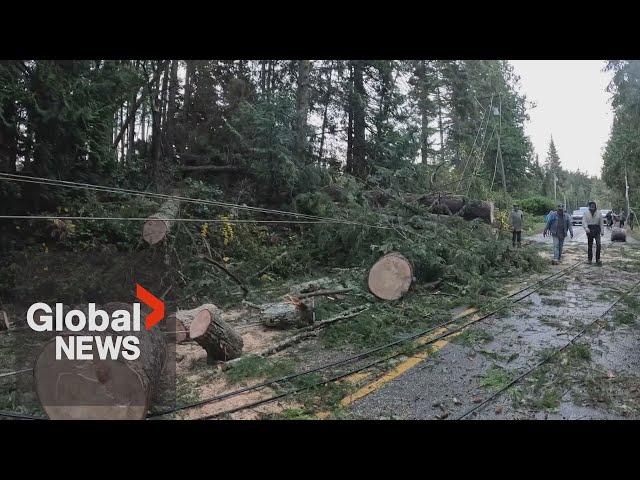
[157, 306]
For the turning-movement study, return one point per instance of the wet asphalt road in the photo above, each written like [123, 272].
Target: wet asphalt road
[458, 376]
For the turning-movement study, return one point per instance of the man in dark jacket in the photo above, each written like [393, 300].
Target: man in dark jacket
[558, 224]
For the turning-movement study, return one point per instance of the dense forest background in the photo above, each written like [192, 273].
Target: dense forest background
[267, 131]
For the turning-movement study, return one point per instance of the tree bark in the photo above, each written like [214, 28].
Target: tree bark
[101, 389]
[283, 315]
[452, 205]
[158, 225]
[211, 332]
[302, 110]
[327, 100]
[359, 125]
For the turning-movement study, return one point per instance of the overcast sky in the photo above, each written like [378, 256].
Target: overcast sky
[572, 105]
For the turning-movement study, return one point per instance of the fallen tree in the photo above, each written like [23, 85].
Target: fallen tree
[158, 225]
[457, 205]
[101, 389]
[390, 277]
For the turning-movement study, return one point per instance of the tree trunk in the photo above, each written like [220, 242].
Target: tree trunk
[359, 98]
[172, 108]
[390, 277]
[101, 389]
[302, 110]
[327, 100]
[350, 166]
[283, 315]
[467, 209]
[158, 225]
[8, 138]
[209, 330]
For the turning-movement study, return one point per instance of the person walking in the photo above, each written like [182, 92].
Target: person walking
[623, 217]
[609, 219]
[594, 228]
[632, 218]
[557, 225]
[516, 220]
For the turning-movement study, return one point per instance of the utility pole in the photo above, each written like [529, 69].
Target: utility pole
[555, 187]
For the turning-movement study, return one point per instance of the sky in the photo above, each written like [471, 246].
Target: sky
[572, 104]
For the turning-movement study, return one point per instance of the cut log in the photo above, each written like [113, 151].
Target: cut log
[206, 326]
[283, 315]
[390, 277]
[618, 234]
[101, 389]
[455, 205]
[157, 227]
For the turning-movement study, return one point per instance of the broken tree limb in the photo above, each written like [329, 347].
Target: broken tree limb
[157, 227]
[618, 235]
[321, 293]
[312, 285]
[211, 332]
[225, 270]
[390, 277]
[101, 389]
[310, 331]
[272, 263]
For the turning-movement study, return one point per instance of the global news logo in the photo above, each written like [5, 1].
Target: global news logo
[118, 340]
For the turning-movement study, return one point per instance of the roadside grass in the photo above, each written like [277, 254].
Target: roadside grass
[253, 366]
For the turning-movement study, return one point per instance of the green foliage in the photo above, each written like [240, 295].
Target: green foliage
[537, 205]
[258, 367]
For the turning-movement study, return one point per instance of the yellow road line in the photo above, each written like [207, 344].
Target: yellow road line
[401, 368]
[409, 363]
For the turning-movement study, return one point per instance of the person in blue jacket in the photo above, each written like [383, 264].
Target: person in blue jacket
[558, 224]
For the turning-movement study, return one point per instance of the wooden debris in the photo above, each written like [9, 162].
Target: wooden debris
[390, 277]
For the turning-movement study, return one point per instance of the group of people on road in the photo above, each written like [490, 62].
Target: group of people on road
[621, 218]
[559, 226]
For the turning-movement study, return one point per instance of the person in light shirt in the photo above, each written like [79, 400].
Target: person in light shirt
[594, 227]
